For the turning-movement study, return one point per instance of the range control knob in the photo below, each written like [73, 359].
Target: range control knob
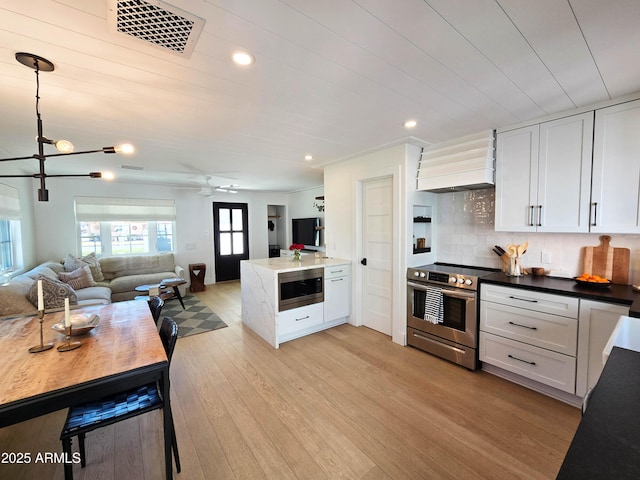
[422, 274]
[416, 274]
[468, 281]
[460, 280]
[452, 280]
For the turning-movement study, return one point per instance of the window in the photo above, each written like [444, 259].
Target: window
[116, 226]
[6, 250]
[231, 230]
[10, 240]
[125, 238]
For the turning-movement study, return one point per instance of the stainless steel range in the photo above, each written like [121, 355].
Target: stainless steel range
[442, 311]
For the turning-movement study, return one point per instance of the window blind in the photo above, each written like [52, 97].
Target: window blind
[9, 203]
[103, 209]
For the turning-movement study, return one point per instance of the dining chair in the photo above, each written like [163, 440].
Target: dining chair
[155, 305]
[90, 416]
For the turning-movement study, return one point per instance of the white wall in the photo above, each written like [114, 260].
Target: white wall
[55, 231]
[466, 235]
[301, 205]
[342, 183]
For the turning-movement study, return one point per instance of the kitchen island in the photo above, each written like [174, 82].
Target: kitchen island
[279, 310]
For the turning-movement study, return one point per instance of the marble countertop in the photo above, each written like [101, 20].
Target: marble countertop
[287, 264]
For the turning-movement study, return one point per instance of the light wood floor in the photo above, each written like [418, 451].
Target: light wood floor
[344, 403]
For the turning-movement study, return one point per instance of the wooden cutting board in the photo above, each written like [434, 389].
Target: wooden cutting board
[607, 261]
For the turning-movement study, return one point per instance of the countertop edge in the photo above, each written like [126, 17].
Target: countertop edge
[286, 264]
[618, 294]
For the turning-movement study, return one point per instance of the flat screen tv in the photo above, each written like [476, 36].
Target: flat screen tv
[306, 231]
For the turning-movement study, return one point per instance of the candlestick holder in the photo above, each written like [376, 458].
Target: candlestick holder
[42, 347]
[69, 345]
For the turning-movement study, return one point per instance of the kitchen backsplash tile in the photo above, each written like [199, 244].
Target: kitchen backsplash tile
[465, 234]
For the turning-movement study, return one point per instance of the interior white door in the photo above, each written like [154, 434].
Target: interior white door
[377, 253]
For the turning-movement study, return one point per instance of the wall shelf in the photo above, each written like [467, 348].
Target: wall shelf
[422, 235]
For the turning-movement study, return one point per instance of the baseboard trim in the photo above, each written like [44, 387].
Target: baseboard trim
[565, 397]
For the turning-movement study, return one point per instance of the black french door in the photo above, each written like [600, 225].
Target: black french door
[230, 238]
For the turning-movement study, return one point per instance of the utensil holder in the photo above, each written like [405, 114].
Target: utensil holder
[513, 268]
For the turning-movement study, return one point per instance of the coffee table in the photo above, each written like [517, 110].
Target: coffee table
[172, 283]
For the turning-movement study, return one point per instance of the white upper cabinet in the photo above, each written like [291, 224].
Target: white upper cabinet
[616, 169]
[516, 172]
[543, 175]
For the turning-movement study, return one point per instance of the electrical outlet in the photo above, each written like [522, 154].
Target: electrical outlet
[545, 257]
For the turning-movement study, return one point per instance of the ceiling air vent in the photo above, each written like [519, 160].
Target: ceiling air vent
[156, 22]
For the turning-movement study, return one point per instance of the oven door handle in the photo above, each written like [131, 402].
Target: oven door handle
[417, 286]
[457, 294]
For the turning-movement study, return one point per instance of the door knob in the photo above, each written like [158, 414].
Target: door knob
[363, 261]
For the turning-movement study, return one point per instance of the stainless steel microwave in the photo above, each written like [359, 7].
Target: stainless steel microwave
[300, 287]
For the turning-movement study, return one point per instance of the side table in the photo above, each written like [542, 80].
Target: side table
[175, 283]
[164, 286]
[196, 274]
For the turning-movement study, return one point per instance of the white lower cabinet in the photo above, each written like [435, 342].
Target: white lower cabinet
[337, 292]
[298, 319]
[551, 339]
[544, 366]
[518, 335]
[597, 321]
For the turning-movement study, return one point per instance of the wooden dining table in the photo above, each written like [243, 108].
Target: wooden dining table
[123, 351]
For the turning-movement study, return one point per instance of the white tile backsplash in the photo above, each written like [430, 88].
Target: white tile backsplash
[465, 234]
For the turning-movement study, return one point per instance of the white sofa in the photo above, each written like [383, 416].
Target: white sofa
[114, 279]
[123, 274]
[14, 295]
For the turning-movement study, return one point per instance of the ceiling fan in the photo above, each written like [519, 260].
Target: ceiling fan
[209, 190]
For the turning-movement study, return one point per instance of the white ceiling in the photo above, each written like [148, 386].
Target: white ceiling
[332, 78]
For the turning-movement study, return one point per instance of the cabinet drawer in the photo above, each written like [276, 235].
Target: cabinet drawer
[552, 332]
[337, 271]
[530, 299]
[544, 366]
[299, 318]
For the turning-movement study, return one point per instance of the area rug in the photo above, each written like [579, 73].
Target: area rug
[195, 318]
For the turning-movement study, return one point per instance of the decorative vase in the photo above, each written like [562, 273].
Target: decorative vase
[296, 255]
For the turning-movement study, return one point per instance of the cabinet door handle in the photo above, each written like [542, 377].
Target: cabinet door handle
[523, 299]
[303, 318]
[539, 215]
[523, 326]
[531, 209]
[595, 214]
[521, 360]
[337, 279]
[336, 271]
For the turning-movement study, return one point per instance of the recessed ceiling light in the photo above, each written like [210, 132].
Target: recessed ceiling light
[410, 123]
[243, 58]
[308, 157]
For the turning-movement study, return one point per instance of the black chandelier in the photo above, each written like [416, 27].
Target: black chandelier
[64, 147]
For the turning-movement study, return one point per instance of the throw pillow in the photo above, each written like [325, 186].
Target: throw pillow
[79, 278]
[71, 263]
[54, 293]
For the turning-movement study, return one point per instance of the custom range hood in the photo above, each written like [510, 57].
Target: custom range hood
[465, 163]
